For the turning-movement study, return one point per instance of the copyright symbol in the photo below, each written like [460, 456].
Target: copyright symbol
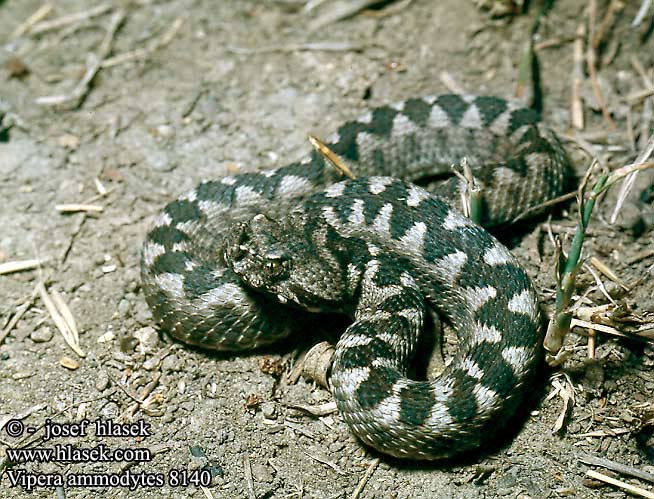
[14, 428]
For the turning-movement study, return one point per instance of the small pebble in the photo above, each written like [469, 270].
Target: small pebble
[69, 363]
[148, 338]
[187, 406]
[102, 381]
[268, 410]
[152, 363]
[172, 363]
[261, 473]
[110, 410]
[142, 313]
[123, 307]
[165, 131]
[42, 335]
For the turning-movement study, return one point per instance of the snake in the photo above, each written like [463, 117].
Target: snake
[245, 260]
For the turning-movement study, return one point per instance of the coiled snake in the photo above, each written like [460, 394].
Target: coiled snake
[222, 264]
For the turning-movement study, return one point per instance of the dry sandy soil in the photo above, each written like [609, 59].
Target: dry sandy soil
[192, 89]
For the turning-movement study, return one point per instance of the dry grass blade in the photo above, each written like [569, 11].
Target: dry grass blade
[629, 181]
[340, 10]
[608, 272]
[70, 19]
[17, 316]
[333, 158]
[75, 208]
[640, 69]
[102, 190]
[645, 121]
[619, 483]
[450, 83]
[536, 209]
[600, 284]
[92, 66]
[642, 12]
[634, 97]
[39, 15]
[316, 410]
[391, 9]
[61, 317]
[19, 266]
[326, 462]
[66, 314]
[471, 196]
[640, 256]
[597, 327]
[566, 391]
[602, 434]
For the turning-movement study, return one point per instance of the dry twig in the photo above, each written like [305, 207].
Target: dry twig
[591, 62]
[149, 49]
[300, 47]
[77, 207]
[607, 22]
[19, 266]
[577, 106]
[364, 480]
[17, 316]
[248, 477]
[618, 467]
[93, 65]
[141, 400]
[70, 19]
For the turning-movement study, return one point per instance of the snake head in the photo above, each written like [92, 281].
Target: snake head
[252, 251]
[274, 257]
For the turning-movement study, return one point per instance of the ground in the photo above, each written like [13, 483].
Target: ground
[213, 87]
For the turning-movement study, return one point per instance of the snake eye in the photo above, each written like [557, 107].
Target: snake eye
[275, 267]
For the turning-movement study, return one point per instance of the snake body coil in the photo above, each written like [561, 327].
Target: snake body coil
[384, 251]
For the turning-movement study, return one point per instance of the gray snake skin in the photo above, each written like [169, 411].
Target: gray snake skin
[228, 265]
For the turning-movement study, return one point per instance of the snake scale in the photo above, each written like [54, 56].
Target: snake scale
[228, 265]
